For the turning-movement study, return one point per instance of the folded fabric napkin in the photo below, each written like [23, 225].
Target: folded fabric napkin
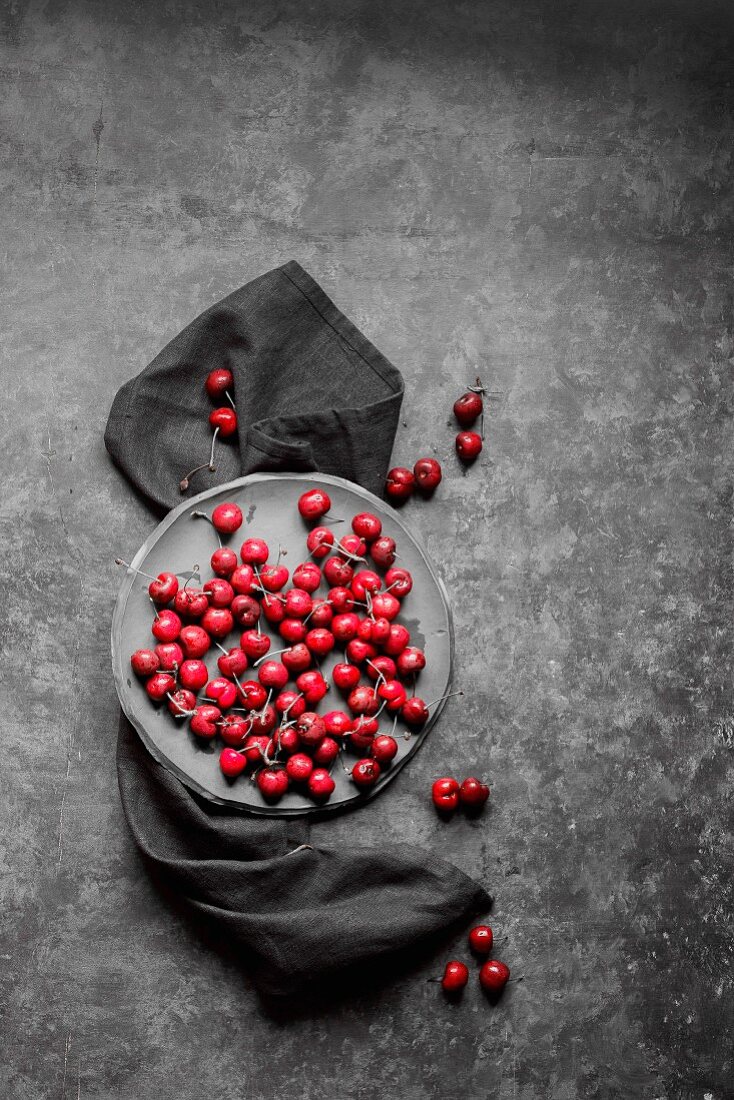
[312, 393]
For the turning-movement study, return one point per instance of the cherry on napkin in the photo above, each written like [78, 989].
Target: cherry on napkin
[312, 393]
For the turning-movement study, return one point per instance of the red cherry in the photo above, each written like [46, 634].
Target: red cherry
[164, 588]
[167, 626]
[337, 723]
[233, 662]
[170, 656]
[263, 721]
[397, 641]
[376, 631]
[455, 977]
[382, 551]
[363, 733]
[320, 784]
[367, 526]
[225, 419]
[414, 712]
[326, 753]
[193, 674]
[234, 730]
[217, 621]
[219, 592]
[381, 666]
[307, 576]
[252, 694]
[287, 738]
[494, 976]
[358, 651]
[218, 381]
[297, 603]
[273, 608]
[204, 721]
[398, 581]
[222, 691]
[291, 703]
[411, 660]
[320, 641]
[481, 939]
[399, 484]
[394, 693]
[468, 445]
[255, 644]
[321, 613]
[445, 794]
[245, 610]
[468, 408]
[255, 748]
[273, 674]
[297, 658]
[232, 763]
[194, 641]
[363, 700]
[311, 729]
[384, 749]
[338, 572]
[159, 685]
[273, 577]
[473, 793]
[144, 662]
[227, 518]
[243, 579]
[365, 581]
[299, 767]
[293, 630]
[223, 561]
[345, 676]
[314, 504]
[319, 542]
[313, 685]
[344, 627]
[272, 783]
[427, 474]
[341, 599]
[385, 606]
[191, 602]
[351, 546]
[181, 703]
[254, 552]
[365, 773]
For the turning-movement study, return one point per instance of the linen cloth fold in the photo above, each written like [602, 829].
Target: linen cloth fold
[312, 393]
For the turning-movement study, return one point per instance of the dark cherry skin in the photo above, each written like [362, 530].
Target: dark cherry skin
[272, 783]
[411, 660]
[326, 752]
[398, 581]
[313, 685]
[400, 484]
[218, 381]
[144, 662]
[297, 658]
[473, 793]
[159, 685]
[345, 676]
[243, 579]
[204, 721]
[227, 518]
[223, 561]
[166, 626]
[181, 703]
[254, 552]
[233, 662]
[164, 588]
[320, 542]
[445, 794]
[254, 643]
[382, 551]
[307, 576]
[367, 526]
[468, 408]
[494, 976]
[365, 773]
[245, 610]
[252, 694]
[193, 674]
[314, 504]
[455, 977]
[481, 939]
[320, 785]
[299, 767]
[195, 641]
[225, 419]
[273, 674]
[428, 474]
[219, 592]
[232, 763]
[190, 602]
[170, 656]
[311, 729]
[384, 749]
[468, 446]
[234, 730]
[217, 621]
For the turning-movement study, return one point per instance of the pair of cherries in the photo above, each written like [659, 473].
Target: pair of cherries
[447, 794]
[222, 419]
[468, 409]
[493, 974]
[402, 482]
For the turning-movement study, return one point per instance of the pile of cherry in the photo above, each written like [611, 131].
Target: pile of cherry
[493, 974]
[268, 727]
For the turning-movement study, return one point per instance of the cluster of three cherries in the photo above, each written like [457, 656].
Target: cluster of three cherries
[222, 419]
[493, 974]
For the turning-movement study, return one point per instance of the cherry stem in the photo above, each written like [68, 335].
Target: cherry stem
[380, 675]
[157, 614]
[203, 515]
[194, 573]
[119, 561]
[450, 695]
[477, 387]
[229, 398]
[269, 654]
[179, 713]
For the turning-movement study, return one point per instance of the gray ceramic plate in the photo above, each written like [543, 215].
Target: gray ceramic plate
[269, 505]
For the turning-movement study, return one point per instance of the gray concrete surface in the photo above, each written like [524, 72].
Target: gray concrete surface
[539, 191]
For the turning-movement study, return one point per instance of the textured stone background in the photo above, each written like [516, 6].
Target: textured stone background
[539, 191]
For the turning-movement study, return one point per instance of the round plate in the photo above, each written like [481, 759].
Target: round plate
[269, 505]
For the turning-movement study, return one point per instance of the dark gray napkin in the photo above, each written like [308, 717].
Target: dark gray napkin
[312, 393]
